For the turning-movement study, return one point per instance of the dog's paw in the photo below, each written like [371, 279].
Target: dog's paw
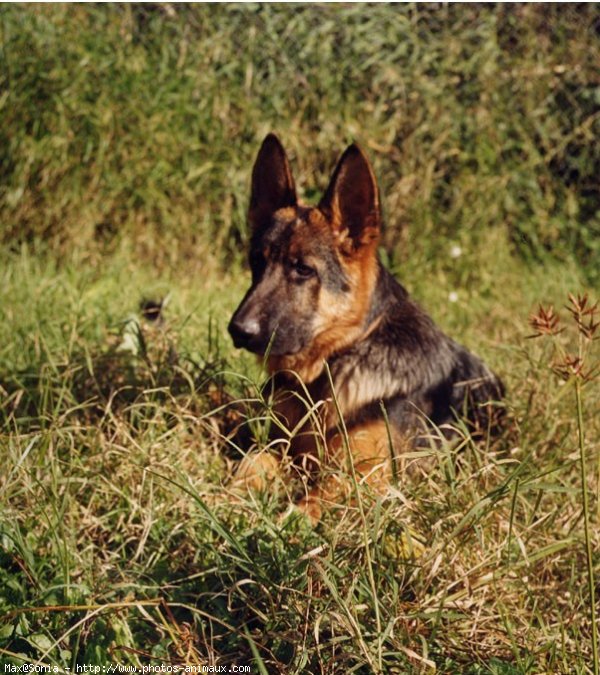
[257, 472]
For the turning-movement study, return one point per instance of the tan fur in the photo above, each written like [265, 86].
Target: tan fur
[354, 391]
[339, 322]
[371, 456]
[258, 471]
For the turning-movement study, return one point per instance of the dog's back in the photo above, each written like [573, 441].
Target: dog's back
[417, 372]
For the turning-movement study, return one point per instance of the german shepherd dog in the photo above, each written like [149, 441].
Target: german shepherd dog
[336, 329]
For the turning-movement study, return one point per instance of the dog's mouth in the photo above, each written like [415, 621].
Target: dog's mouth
[258, 349]
[269, 349]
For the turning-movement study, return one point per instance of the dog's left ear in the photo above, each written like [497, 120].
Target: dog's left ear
[352, 199]
[272, 182]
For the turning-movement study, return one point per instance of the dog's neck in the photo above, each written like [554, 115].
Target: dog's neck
[376, 384]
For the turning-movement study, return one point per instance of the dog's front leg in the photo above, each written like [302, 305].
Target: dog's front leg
[364, 454]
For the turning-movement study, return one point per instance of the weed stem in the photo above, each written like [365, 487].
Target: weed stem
[586, 525]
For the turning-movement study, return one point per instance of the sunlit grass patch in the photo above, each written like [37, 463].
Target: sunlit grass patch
[122, 539]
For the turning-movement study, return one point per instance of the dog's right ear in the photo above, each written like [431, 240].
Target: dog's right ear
[272, 182]
[352, 200]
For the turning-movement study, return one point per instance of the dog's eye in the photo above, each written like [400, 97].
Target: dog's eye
[303, 271]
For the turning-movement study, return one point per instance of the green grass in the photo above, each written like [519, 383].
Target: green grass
[127, 140]
[119, 532]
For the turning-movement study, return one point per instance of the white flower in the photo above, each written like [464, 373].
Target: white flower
[453, 296]
[455, 251]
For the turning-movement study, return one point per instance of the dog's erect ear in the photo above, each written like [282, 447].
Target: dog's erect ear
[272, 182]
[352, 198]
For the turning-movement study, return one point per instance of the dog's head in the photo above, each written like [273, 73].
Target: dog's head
[313, 268]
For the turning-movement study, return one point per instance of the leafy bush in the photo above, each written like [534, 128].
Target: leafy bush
[144, 120]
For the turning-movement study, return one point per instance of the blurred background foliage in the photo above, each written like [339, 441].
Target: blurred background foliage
[141, 122]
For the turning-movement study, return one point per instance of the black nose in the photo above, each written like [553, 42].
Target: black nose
[243, 331]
